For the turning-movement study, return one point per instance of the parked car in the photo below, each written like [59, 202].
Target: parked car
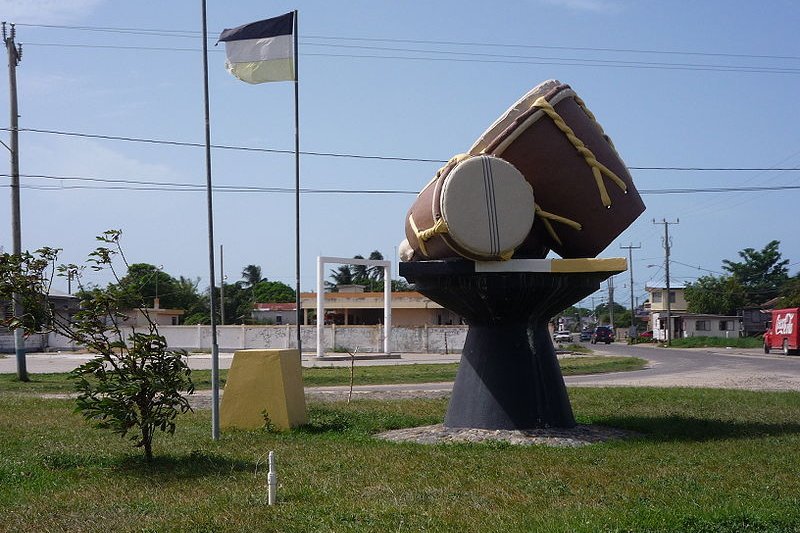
[646, 335]
[602, 334]
[562, 336]
[586, 335]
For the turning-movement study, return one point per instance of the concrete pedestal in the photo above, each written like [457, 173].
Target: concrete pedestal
[264, 382]
[509, 377]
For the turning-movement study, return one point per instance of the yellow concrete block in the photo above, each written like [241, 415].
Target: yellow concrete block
[264, 380]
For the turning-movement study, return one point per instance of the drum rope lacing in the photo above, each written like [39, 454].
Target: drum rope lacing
[598, 169]
[547, 217]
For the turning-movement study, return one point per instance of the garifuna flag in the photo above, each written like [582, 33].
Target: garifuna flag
[261, 51]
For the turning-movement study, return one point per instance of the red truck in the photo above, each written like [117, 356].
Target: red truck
[783, 331]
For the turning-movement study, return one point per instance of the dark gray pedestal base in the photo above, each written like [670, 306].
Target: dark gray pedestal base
[509, 377]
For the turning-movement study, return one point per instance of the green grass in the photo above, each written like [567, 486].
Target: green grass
[717, 342]
[705, 461]
[328, 376]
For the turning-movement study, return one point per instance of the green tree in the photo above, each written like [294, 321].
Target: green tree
[723, 295]
[342, 275]
[251, 275]
[358, 273]
[136, 383]
[760, 273]
[604, 317]
[376, 272]
[274, 291]
[790, 293]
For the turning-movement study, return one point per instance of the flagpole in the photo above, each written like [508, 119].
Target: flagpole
[297, 186]
[213, 296]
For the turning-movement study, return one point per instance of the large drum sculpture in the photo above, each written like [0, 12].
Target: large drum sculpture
[544, 176]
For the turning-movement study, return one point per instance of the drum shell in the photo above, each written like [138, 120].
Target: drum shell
[563, 180]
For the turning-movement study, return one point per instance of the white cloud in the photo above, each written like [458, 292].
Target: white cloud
[46, 11]
[585, 5]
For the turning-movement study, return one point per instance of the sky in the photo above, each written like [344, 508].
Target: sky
[677, 85]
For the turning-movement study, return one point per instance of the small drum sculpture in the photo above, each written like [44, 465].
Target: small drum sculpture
[476, 241]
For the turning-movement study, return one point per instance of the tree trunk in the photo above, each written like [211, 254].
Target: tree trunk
[147, 443]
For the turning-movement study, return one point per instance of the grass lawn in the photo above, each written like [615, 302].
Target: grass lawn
[717, 342]
[327, 376]
[705, 461]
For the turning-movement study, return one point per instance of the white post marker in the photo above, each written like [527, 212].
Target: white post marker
[272, 480]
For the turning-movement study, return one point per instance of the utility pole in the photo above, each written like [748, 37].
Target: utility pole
[667, 243]
[632, 332]
[611, 303]
[14, 57]
[221, 288]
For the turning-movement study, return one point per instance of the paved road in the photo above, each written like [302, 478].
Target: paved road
[700, 367]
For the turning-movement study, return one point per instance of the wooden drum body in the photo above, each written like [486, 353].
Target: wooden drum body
[585, 196]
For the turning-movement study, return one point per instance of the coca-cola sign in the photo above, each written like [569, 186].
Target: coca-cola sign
[784, 324]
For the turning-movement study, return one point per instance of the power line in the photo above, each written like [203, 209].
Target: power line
[472, 57]
[145, 185]
[195, 34]
[365, 156]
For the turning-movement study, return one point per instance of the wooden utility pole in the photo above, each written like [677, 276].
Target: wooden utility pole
[14, 57]
[632, 331]
[667, 243]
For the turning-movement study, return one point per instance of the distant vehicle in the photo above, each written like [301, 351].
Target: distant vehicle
[602, 334]
[562, 336]
[586, 335]
[646, 335]
[783, 332]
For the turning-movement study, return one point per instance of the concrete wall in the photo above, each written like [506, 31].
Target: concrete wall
[33, 343]
[405, 339]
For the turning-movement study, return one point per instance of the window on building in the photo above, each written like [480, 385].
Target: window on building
[656, 297]
[726, 325]
[672, 297]
[279, 319]
[702, 325]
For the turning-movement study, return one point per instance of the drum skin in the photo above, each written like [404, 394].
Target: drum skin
[480, 208]
[562, 175]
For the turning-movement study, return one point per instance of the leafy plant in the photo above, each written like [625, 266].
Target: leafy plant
[135, 385]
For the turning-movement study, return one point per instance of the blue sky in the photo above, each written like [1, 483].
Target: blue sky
[676, 84]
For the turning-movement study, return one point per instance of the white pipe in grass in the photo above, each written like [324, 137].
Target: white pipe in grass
[272, 480]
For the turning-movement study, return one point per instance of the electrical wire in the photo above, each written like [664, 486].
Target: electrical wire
[359, 156]
[483, 44]
[143, 185]
[472, 57]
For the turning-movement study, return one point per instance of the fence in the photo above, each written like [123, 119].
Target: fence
[405, 339]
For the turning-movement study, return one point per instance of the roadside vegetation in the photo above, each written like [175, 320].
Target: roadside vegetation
[703, 461]
[718, 342]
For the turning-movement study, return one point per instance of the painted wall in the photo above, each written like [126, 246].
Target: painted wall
[405, 339]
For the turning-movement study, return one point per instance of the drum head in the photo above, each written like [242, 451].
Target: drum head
[487, 205]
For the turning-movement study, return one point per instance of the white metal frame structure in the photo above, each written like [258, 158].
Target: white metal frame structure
[387, 297]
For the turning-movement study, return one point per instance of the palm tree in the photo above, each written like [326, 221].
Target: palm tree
[251, 274]
[360, 272]
[376, 272]
[341, 276]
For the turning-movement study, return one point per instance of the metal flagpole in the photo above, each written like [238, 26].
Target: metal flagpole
[297, 186]
[213, 296]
